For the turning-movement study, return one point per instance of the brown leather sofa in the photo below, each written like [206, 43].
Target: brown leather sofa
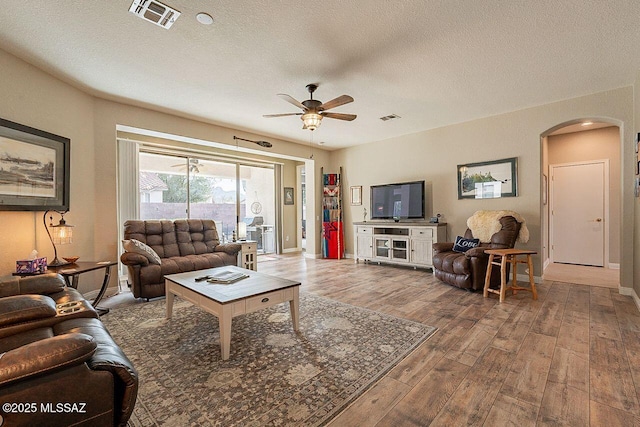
[182, 245]
[467, 270]
[58, 364]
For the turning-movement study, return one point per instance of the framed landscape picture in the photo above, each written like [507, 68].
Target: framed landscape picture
[488, 180]
[34, 169]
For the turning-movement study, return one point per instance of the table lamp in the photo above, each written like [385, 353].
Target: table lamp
[61, 233]
[242, 230]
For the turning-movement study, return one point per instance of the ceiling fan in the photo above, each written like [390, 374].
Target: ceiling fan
[194, 165]
[313, 111]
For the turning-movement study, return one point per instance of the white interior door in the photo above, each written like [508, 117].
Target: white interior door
[578, 213]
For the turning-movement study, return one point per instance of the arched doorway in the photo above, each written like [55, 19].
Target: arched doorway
[570, 249]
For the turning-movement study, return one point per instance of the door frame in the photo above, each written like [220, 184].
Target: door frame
[605, 163]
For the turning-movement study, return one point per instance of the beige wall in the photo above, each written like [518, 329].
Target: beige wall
[289, 212]
[433, 155]
[595, 144]
[34, 98]
[636, 200]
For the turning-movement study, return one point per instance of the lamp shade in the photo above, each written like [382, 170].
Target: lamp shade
[311, 120]
[242, 230]
[62, 234]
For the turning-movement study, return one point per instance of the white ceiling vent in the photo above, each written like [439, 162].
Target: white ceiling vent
[389, 117]
[154, 11]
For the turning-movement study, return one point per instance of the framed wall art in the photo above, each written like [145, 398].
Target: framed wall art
[288, 195]
[356, 195]
[488, 180]
[34, 169]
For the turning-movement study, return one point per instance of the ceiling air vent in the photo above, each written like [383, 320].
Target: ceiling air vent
[155, 12]
[389, 117]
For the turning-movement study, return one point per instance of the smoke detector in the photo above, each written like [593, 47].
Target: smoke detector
[154, 11]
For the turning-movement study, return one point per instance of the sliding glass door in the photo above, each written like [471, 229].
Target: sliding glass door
[239, 197]
[212, 194]
[258, 208]
[163, 186]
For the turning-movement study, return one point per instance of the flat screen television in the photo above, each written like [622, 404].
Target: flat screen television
[398, 201]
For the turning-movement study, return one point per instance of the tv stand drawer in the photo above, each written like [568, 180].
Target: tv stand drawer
[364, 230]
[423, 232]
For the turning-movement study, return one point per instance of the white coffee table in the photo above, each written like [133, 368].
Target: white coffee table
[226, 301]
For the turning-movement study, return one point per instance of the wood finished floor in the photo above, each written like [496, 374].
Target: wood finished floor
[571, 358]
[583, 275]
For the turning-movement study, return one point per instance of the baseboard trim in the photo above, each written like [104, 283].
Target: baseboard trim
[312, 255]
[525, 278]
[291, 250]
[630, 292]
[614, 266]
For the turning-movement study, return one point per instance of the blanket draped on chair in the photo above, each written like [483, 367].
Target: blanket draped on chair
[484, 224]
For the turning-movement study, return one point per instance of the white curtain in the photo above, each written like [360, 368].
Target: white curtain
[128, 189]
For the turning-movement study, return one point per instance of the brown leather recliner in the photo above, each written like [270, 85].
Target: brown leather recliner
[59, 366]
[467, 270]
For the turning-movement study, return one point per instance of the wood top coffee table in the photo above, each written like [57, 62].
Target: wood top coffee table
[226, 301]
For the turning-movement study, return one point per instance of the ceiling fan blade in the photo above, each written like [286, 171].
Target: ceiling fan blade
[341, 100]
[339, 116]
[282, 115]
[292, 100]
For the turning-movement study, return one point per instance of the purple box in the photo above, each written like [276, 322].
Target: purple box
[31, 266]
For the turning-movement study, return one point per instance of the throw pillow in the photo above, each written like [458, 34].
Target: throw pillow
[136, 246]
[463, 245]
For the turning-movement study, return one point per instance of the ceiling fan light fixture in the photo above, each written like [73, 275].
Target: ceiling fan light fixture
[313, 111]
[311, 120]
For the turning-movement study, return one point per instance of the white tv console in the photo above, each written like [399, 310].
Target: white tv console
[408, 243]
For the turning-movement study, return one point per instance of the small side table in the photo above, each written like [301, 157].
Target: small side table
[509, 256]
[248, 255]
[71, 273]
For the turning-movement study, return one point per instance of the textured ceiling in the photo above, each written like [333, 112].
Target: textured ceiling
[433, 63]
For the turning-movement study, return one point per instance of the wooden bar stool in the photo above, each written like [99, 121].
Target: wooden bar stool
[509, 256]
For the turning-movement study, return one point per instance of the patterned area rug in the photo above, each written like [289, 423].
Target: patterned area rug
[274, 377]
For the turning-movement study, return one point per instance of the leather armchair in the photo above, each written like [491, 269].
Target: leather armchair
[59, 366]
[467, 270]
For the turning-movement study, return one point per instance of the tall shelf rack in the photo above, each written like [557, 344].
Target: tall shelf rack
[332, 221]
